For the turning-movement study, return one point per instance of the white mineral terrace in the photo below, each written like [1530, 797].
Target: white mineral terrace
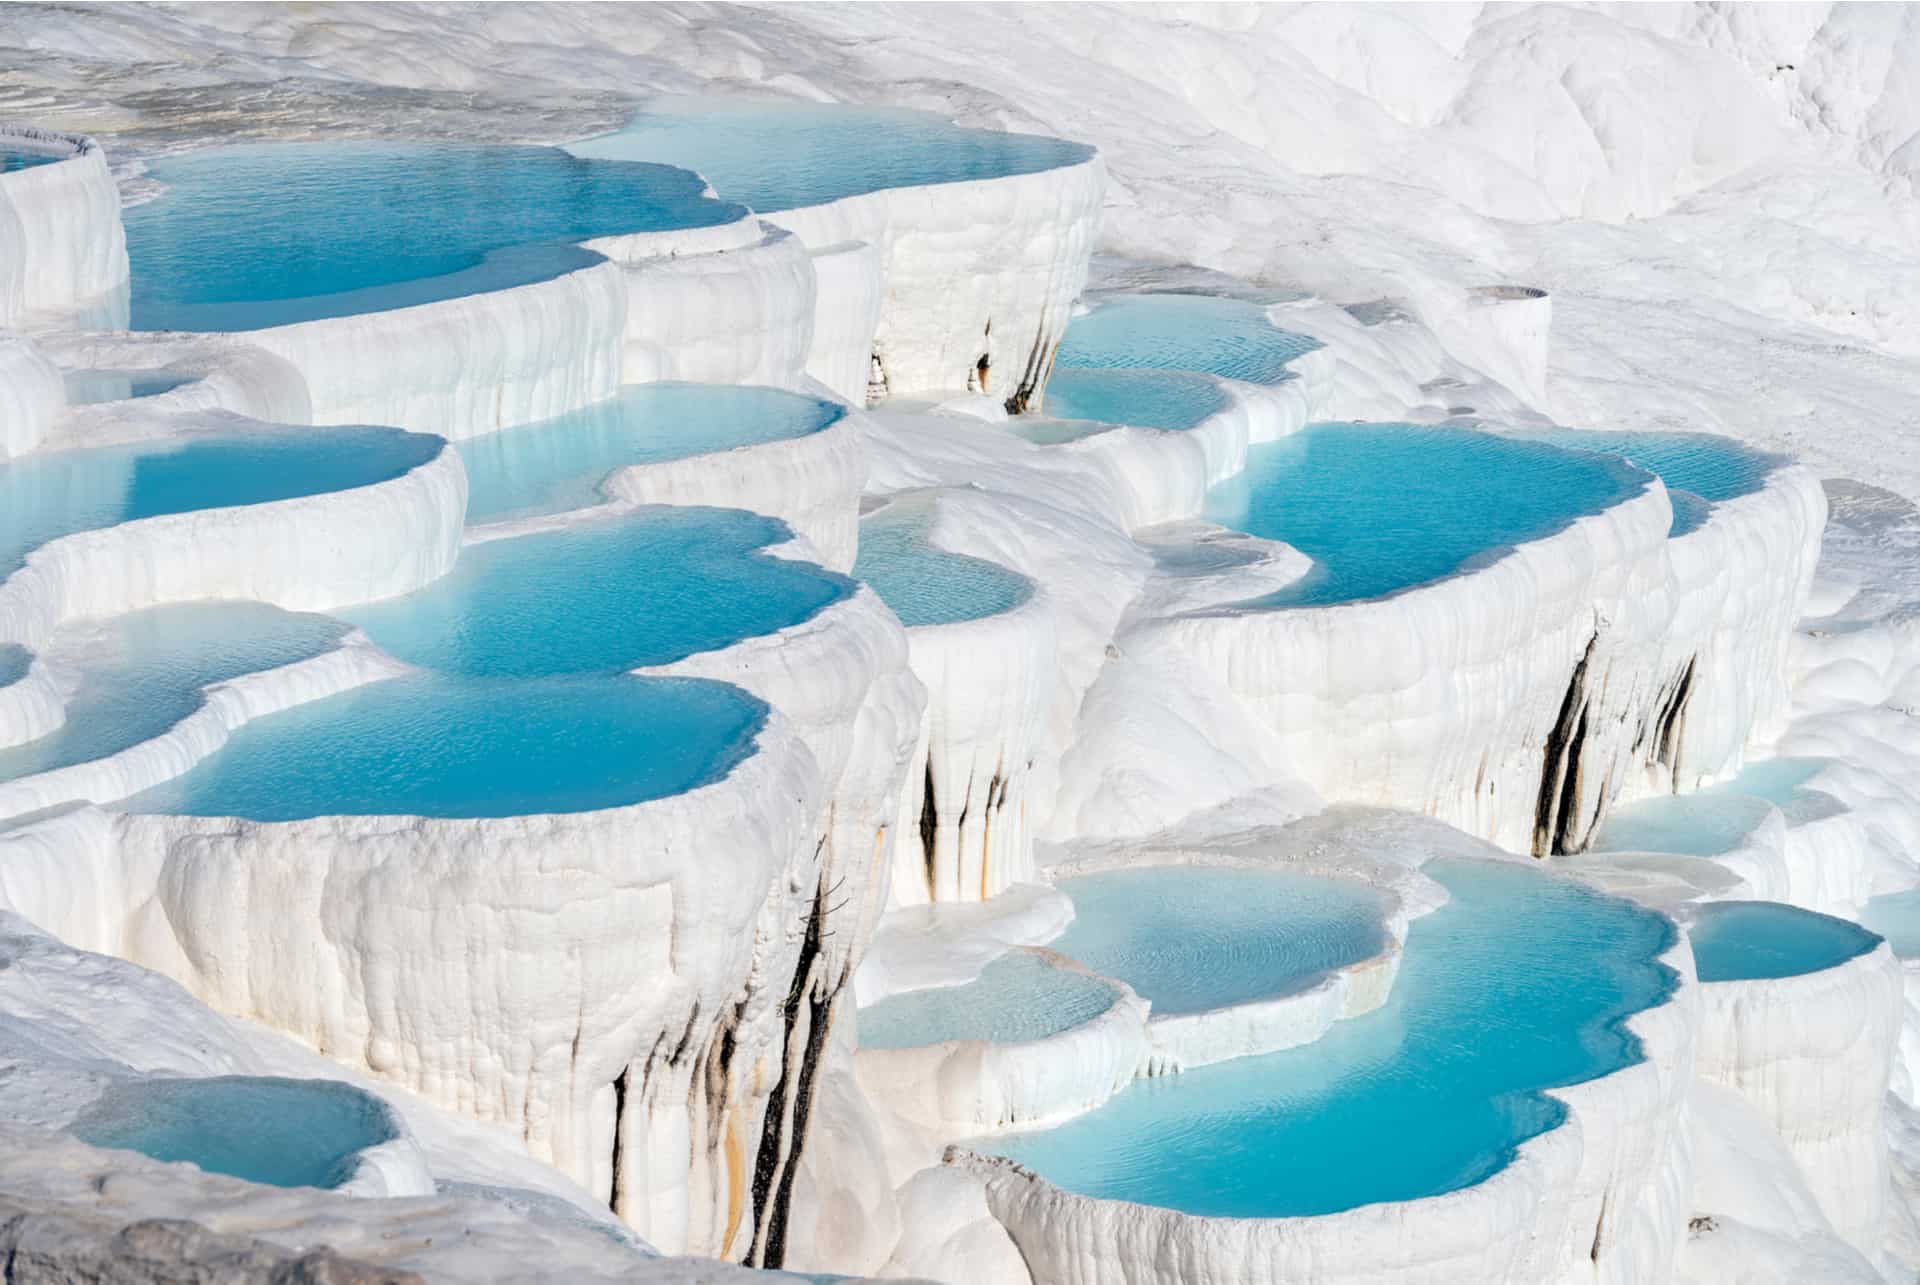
[1274, 645]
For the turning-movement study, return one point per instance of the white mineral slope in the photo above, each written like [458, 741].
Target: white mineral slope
[964, 1088]
[1602, 1198]
[227, 706]
[1813, 1054]
[383, 539]
[849, 288]
[741, 315]
[32, 705]
[31, 395]
[61, 244]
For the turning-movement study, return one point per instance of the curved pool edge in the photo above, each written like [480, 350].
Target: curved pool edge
[63, 249]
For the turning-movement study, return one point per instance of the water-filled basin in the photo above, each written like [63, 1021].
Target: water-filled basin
[924, 585]
[1736, 941]
[1228, 337]
[1016, 998]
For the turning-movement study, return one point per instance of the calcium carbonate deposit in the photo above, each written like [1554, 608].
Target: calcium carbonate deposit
[1010, 644]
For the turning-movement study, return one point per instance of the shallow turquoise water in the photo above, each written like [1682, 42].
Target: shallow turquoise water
[1522, 982]
[1227, 337]
[1896, 916]
[1192, 938]
[606, 596]
[285, 1133]
[434, 745]
[780, 156]
[11, 160]
[1699, 468]
[15, 660]
[1751, 940]
[927, 586]
[1699, 825]
[1385, 507]
[1170, 400]
[146, 670]
[87, 387]
[559, 464]
[1783, 783]
[1017, 997]
[267, 234]
[43, 497]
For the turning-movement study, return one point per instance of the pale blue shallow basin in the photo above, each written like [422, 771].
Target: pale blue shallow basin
[924, 585]
[1896, 917]
[268, 234]
[284, 1133]
[1522, 982]
[1381, 508]
[781, 156]
[1699, 469]
[145, 671]
[89, 387]
[1084, 400]
[1759, 940]
[46, 496]
[1016, 998]
[1231, 338]
[559, 464]
[604, 596]
[1192, 938]
[442, 746]
[1698, 825]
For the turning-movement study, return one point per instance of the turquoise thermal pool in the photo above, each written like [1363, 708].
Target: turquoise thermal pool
[604, 596]
[1018, 997]
[1193, 938]
[785, 155]
[285, 1133]
[1699, 469]
[268, 234]
[1737, 941]
[1697, 825]
[49, 495]
[924, 585]
[560, 464]
[1522, 982]
[1231, 338]
[141, 673]
[439, 746]
[1381, 508]
[1896, 916]
[1171, 400]
[88, 387]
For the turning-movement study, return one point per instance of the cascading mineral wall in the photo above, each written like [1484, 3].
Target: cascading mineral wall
[62, 248]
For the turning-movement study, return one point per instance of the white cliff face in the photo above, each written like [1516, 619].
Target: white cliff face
[62, 250]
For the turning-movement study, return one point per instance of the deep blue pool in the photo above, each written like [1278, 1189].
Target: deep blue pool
[1385, 507]
[780, 156]
[1193, 938]
[440, 746]
[143, 672]
[46, 496]
[1018, 997]
[261, 235]
[1698, 468]
[1522, 982]
[1896, 916]
[604, 596]
[924, 585]
[1736, 941]
[285, 1133]
[1170, 400]
[87, 387]
[559, 464]
[1227, 337]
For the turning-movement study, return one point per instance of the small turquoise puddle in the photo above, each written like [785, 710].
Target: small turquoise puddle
[284, 1133]
[1384, 507]
[1169, 400]
[604, 596]
[438, 746]
[927, 586]
[11, 161]
[1699, 469]
[1522, 982]
[1739, 941]
[560, 464]
[785, 155]
[1018, 997]
[89, 387]
[1896, 917]
[44, 497]
[1227, 337]
[145, 671]
[265, 235]
[1720, 818]
[1193, 938]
